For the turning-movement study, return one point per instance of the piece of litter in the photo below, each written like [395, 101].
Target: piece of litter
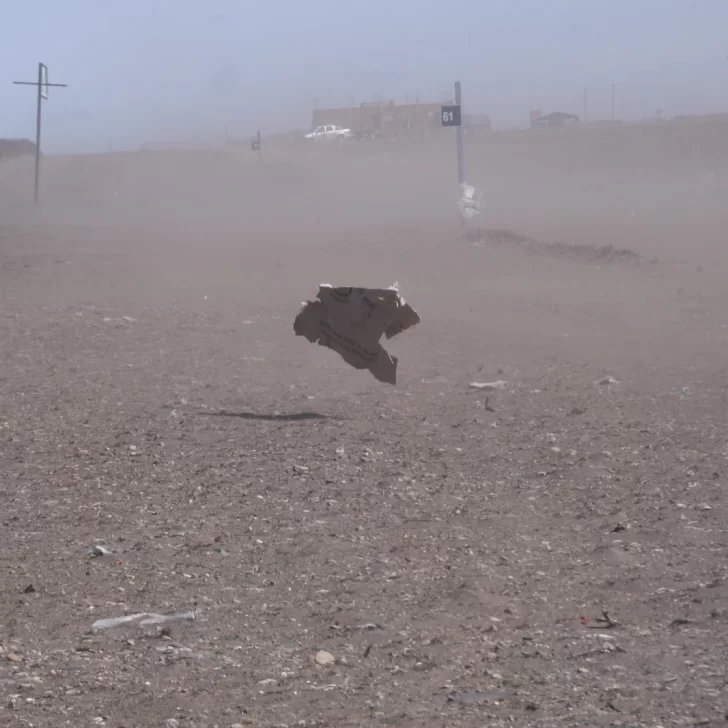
[369, 626]
[480, 696]
[468, 205]
[608, 380]
[97, 551]
[324, 658]
[489, 386]
[143, 619]
[352, 320]
[120, 321]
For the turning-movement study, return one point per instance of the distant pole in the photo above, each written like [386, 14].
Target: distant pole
[459, 135]
[260, 149]
[37, 134]
[585, 118]
[42, 86]
[613, 87]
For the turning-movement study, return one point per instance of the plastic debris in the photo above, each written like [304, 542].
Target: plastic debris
[120, 321]
[489, 386]
[98, 551]
[143, 619]
[468, 205]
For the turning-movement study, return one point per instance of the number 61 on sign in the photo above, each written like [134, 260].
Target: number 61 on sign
[451, 115]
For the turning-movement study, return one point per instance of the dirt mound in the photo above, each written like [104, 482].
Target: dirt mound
[589, 253]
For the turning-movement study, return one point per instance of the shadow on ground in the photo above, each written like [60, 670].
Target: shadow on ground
[295, 417]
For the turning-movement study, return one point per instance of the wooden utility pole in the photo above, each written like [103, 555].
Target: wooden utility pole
[42, 85]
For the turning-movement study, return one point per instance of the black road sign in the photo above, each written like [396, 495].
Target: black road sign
[451, 116]
[255, 145]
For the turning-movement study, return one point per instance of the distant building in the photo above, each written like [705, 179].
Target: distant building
[557, 118]
[14, 148]
[388, 119]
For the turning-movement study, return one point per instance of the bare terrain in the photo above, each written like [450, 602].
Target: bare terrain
[356, 554]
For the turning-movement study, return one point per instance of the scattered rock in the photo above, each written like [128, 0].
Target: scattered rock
[324, 658]
[608, 380]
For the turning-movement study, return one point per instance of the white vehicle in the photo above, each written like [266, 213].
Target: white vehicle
[329, 133]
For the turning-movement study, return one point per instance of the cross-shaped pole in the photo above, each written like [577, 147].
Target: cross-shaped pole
[42, 86]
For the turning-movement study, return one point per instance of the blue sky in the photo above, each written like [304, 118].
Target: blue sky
[180, 70]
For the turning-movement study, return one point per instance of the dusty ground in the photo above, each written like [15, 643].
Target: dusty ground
[434, 539]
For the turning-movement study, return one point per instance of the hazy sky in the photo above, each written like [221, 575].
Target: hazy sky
[179, 70]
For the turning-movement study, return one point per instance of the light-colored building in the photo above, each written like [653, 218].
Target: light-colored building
[385, 119]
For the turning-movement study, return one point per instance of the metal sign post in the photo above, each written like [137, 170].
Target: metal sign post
[459, 135]
[42, 86]
[452, 115]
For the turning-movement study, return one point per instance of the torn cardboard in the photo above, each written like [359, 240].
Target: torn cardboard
[352, 320]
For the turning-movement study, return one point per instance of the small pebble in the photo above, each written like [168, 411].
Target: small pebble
[324, 658]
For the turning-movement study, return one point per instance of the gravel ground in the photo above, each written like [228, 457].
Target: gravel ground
[548, 554]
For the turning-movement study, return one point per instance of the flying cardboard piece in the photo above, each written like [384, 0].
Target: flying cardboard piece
[352, 320]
